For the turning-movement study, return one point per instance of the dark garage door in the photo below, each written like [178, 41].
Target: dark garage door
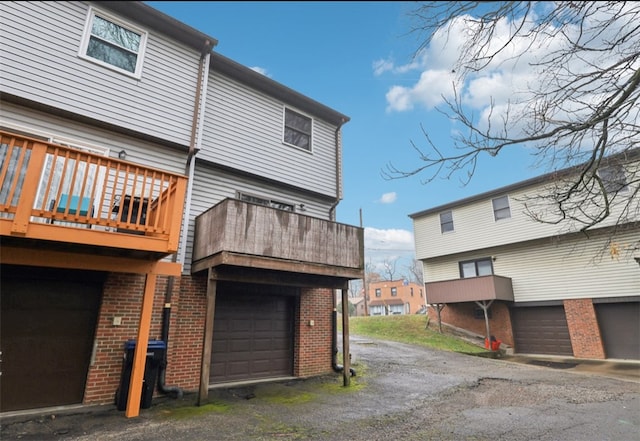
[252, 334]
[47, 329]
[541, 330]
[620, 329]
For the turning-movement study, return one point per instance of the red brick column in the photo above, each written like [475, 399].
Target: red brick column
[583, 329]
[313, 326]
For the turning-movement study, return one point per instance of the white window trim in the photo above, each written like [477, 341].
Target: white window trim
[311, 137]
[82, 53]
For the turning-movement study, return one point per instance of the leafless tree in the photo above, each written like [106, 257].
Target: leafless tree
[578, 112]
[415, 269]
[389, 269]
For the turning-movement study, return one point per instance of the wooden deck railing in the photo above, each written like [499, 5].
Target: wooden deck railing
[47, 183]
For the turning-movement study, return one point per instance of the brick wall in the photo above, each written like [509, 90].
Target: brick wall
[312, 344]
[583, 329]
[188, 311]
[122, 297]
[461, 315]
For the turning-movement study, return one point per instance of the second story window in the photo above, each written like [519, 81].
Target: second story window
[501, 208]
[297, 129]
[446, 221]
[394, 291]
[378, 292]
[613, 179]
[113, 43]
[476, 268]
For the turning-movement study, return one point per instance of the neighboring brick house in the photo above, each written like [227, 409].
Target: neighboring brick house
[394, 297]
[132, 207]
[547, 289]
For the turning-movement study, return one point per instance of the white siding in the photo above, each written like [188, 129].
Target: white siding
[211, 186]
[40, 43]
[557, 269]
[243, 130]
[475, 227]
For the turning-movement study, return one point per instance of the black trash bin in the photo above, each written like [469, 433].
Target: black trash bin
[155, 356]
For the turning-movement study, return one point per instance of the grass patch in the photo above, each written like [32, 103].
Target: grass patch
[281, 394]
[409, 329]
[184, 412]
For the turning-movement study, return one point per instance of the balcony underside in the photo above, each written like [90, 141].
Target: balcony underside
[472, 289]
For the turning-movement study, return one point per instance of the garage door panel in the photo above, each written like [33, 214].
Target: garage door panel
[620, 329]
[541, 330]
[253, 333]
[47, 330]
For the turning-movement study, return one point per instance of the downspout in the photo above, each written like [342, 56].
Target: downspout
[337, 138]
[196, 124]
[332, 216]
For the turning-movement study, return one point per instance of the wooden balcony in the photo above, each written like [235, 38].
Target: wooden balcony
[470, 290]
[238, 234]
[58, 197]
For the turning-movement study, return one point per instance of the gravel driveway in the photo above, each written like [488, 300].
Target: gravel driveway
[401, 392]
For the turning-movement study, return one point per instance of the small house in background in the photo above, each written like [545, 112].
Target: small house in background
[155, 191]
[395, 297]
[546, 288]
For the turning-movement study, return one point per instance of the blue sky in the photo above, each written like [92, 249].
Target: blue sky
[357, 58]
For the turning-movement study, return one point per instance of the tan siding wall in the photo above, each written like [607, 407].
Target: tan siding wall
[243, 130]
[555, 269]
[475, 227]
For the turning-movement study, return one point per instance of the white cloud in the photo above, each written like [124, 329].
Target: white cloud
[389, 198]
[390, 239]
[261, 70]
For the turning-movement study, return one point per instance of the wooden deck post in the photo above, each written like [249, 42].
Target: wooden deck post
[346, 362]
[140, 353]
[207, 342]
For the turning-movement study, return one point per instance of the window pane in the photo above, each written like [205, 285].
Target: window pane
[112, 55]
[613, 179]
[468, 269]
[115, 34]
[446, 221]
[298, 122]
[484, 267]
[296, 138]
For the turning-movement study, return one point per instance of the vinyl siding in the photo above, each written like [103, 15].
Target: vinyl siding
[555, 269]
[40, 43]
[243, 130]
[212, 186]
[138, 151]
[475, 227]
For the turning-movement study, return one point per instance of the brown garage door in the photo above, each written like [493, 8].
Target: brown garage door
[252, 334]
[620, 329]
[47, 329]
[541, 330]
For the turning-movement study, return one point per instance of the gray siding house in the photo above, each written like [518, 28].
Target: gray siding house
[156, 195]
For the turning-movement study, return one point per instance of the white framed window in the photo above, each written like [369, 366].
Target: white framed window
[446, 221]
[394, 291]
[396, 309]
[378, 310]
[501, 209]
[297, 129]
[113, 43]
[378, 292]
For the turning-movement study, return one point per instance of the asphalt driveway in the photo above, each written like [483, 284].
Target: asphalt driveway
[401, 392]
